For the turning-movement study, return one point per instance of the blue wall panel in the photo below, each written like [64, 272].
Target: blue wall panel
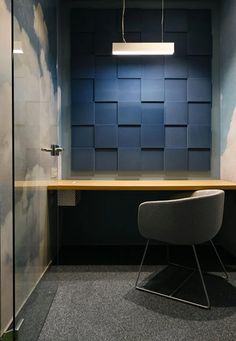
[129, 137]
[141, 113]
[106, 113]
[129, 113]
[106, 160]
[176, 113]
[106, 136]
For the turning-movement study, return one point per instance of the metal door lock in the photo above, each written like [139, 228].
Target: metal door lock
[54, 150]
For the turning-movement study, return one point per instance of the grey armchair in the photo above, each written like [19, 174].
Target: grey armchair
[186, 221]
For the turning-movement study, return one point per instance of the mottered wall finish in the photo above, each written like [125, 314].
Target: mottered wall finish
[136, 113]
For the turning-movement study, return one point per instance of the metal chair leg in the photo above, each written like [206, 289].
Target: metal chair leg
[180, 286]
[220, 261]
[208, 306]
[140, 267]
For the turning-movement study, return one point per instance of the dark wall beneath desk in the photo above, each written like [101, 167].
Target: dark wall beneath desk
[105, 218]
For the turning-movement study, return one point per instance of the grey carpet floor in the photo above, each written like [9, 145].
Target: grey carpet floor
[99, 303]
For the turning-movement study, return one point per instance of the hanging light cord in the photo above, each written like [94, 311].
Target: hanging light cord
[162, 21]
[123, 22]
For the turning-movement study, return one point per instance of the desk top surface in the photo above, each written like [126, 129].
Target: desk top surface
[139, 185]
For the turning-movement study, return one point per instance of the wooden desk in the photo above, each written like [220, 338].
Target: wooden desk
[140, 185]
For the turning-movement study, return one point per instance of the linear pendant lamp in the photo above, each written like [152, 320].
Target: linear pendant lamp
[134, 48]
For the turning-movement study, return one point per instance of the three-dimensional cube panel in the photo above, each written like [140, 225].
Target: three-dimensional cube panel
[129, 159]
[82, 136]
[83, 67]
[152, 136]
[199, 20]
[176, 90]
[176, 137]
[106, 20]
[82, 159]
[176, 113]
[180, 40]
[129, 67]
[176, 20]
[199, 160]
[129, 90]
[199, 90]
[150, 20]
[106, 90]
[176, 67]
[129, 137]
[106, 136]
[152, 113]
[82, 113]
[133, 21]
[199, 66]
[129, 113]
[152, 90]
[82, 43]
[152, 67]
[150, 37]
[152, 160]
[199, 44]
[103, 42]
[82, 90]
[199, 136]
[199, 113]
[176, 159]
[106, 67]
[106, 113]
[82, 21]
[106, 160]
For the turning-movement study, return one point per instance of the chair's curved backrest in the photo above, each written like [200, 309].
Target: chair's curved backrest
[187, 221]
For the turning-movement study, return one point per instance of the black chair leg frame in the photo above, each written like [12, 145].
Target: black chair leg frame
[170, 296]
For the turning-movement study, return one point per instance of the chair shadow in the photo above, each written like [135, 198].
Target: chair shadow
[222, 295]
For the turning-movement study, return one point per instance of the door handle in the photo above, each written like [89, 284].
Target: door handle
[55, 150]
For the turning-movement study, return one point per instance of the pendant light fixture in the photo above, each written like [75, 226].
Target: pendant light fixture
[135, 48]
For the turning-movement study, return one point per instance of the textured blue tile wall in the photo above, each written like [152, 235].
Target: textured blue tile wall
[138, 113]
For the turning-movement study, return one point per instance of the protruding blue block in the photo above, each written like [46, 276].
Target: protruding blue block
[152, 67]
[129, 113]
[106, 90]
[152, 136]
[106, 160]
[83, 67]
[199, 66]
[176, 113]
[129, 67]
[176, 137]
[82, 21]
[129, 159]
[152, 113]
[199, 44]
[129, 137]
[176, 90]
[199, 90]
[176, 67]
[199, 113]
[106, 20]
[129, 90]
[150, 18]
[176, 159]
[152, 90]
[106, 67]
[82, 90]
[176, 20]
[152, 160]
[82, 44]
[82, 136]
[82, 159]
[180, 40]
[199, 136]
[106, 136]
[82, 113]
[106, 113]
[199, 160]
